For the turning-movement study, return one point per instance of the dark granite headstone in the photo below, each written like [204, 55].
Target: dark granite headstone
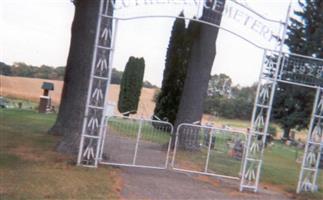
[238, 149]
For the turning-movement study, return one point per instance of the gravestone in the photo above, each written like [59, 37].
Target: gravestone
[207, 133]
[237, 151]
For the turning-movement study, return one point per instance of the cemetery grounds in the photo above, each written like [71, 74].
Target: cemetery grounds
[30, 168]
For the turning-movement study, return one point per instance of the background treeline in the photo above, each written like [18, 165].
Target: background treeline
[225, 100]
[53, 73]
[24, 70]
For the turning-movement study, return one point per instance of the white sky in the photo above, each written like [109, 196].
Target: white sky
[38, 32]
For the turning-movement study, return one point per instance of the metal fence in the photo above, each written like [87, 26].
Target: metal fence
[136, 142]
[208, 150]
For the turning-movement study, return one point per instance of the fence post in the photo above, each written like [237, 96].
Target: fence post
[176, 143]
[208, 152]
[137, 142]
[169, 145]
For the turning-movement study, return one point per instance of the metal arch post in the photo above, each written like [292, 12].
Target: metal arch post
[98, 89]
[317, 162]
[320, 148]
[90, 83]
[272, 95]
[268, 113]
[111, 57]
[299, 185]
[249, 136]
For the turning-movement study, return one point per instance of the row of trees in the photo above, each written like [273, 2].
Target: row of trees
[53, 73]
[223, 99]
[24, 70]
[234, 103]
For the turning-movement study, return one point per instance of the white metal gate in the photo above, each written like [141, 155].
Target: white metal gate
[209, 150]
[136, 142]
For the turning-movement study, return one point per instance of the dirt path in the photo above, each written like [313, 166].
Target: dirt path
[120, 149]
[142, 183]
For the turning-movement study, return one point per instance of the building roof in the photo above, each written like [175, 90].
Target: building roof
[47, 86]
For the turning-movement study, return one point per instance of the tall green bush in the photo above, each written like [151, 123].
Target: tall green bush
[131, 84]
[168, 99]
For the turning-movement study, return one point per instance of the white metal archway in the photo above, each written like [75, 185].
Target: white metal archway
[275, 62]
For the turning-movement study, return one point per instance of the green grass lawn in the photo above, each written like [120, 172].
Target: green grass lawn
[25, 104]
[31, 169]
[219, 162]
[280, 169]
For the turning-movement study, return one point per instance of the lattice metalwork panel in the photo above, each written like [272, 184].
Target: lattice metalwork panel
[302, 70]
[260, 121]
[295, 69]
[311, 159]
[98, 87]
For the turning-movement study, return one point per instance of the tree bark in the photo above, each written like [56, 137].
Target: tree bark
[199, 69]
[286, 133]
[76, 81]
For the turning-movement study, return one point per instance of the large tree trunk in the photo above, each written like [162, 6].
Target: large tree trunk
[71, 112]
[199, 69]
[286, 133]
